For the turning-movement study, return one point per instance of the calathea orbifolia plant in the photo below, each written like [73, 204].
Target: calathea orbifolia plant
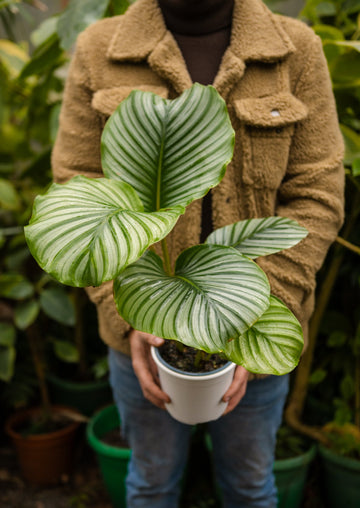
[158, 156]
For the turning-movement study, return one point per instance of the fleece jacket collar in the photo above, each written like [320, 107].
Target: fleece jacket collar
[257, 35]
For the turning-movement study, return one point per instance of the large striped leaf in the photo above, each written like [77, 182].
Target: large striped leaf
[170, 152]
[86, 231]
[272, 345]
[259, 237]
[215, 295]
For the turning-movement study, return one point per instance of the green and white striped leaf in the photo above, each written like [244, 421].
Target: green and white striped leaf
[273, 345]
[87, 231]
[170, 151]
[215, 295]
[259, 237]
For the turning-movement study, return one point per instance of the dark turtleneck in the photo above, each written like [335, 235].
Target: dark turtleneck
[202, 30]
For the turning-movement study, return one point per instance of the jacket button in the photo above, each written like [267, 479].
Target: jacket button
[275, 113]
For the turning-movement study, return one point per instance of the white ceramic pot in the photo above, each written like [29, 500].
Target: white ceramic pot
[195, 397]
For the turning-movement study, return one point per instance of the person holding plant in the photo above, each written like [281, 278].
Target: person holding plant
[272, 73]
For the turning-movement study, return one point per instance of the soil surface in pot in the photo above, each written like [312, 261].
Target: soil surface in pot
[115, 438]
[190, 359]
[37, 424]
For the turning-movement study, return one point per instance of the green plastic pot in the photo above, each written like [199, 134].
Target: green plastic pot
[113, 461]
[341, 477]
[86, 397]
[290, 478]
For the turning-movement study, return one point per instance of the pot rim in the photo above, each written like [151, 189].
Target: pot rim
[21, 416]
[303, 459]
[196, 376]
[341, 460]
[94, 438]
[77, 385]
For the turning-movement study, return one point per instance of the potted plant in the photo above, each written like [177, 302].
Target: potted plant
[44, 437]
[294, 455]
[340, 449]
[32, 304]
[79, 367]
[113, 453]
[216, 299]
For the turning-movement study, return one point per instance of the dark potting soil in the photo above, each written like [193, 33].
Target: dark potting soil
[115, 438]
[38, 424]
[190, 359]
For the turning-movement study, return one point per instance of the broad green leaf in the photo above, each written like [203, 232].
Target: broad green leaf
[326, 9]
[328, 33]
[7, 362]
[119, 6]
[346, 69]
[259, 237]
[337, 338]
[15, 286]
[100, 367]
[66, 351]
[26, 313]
[350, 44]
[215, 294]
[86, 231]
[170, 152]
[44, 57]
[272, 345]
[351, 6]
[352, 144]
[45, 30]
[12, 56]
[56, 304]
[347, 387]
[7, 334]
[76, 17]
[9, 198]
[356, 167]
[317, 376]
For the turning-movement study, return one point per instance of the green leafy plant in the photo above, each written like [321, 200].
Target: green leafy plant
[31, 84]
[331, 374]
[35, 311]
[216, 298]
[290, 444]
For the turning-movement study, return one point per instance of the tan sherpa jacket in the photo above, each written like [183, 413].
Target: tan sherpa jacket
[288, 148]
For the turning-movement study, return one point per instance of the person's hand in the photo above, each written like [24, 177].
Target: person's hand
[237, 388]
[145, 368]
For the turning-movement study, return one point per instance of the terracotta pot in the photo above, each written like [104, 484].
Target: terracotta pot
[43, 458]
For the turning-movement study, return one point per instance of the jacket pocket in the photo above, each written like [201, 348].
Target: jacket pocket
[106, 100]
[266, 128]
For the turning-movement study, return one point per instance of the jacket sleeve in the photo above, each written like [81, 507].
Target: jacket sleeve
[77, 151]
[312, 191]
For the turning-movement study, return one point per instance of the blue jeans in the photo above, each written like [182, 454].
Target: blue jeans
[243, 443]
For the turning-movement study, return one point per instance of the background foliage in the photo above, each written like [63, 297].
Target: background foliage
[32, 77]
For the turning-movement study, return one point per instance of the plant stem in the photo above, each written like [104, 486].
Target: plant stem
[165, 251]
[198, 358]
[79, 331]
[179, 346]
[348, 245]
[357, 391]
[32, 334]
